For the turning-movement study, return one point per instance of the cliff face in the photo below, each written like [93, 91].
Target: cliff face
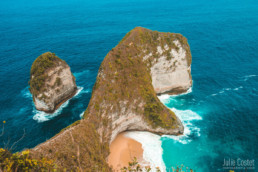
[51, 82]
[124, 98]
[171, 72]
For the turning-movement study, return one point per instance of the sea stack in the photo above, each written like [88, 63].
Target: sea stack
[51, 82]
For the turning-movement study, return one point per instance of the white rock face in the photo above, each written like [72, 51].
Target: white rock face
[130, 121]
[171, 74]
[134, 122]
[41, 104]
[60, 85]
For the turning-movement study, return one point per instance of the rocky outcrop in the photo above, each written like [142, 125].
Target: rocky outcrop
[51, 82]
[124, 98]
[171, 72]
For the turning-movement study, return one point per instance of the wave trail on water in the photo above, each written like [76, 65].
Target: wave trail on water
[82, 73]
[247, 77]
[224, 90]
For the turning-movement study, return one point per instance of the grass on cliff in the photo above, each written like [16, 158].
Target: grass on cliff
[24, 162]
[81, 148]
[124, 77]
[38, 71]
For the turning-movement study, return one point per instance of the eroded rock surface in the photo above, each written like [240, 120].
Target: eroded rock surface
[171, 72]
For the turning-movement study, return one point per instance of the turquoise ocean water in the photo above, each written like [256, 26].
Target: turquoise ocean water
[219, 113]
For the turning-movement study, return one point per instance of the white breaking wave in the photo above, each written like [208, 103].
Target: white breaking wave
[81, 115]
[85, 91]
[187, 92]
[186, 117]
[165, 98]
[151, 143]
[152, 150]
[245, 78]
[238, 88]
[41, 116]
[78, 92]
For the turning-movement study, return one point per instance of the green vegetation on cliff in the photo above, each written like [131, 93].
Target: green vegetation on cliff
[79, 147]
[125, 77]
[38, 71]
[24, 162]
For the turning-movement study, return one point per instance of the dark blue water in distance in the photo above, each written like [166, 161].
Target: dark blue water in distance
[220, 114]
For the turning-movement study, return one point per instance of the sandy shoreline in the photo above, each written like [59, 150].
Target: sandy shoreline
[123, 150]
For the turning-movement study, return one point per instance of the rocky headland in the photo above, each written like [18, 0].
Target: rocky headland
[51, 82]
[124, 98]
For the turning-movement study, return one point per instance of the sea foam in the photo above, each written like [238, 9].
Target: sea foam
[81, 114]
[151, 143]
[41, 116]
[152, 150]
[186, 117]
[166, 98]
[246, 77]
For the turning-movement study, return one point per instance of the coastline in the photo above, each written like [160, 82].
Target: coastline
[42, 116]
[127, 145]
[122, 150]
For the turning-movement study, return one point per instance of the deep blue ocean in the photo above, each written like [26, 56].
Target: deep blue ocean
[220, 114]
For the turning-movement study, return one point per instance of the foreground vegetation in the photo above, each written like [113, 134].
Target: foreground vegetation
[134, 166]
[24, 162]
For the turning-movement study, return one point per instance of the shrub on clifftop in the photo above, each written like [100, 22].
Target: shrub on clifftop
[23, 162]
[38, 68]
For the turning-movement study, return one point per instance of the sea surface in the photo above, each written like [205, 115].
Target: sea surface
[219, 112]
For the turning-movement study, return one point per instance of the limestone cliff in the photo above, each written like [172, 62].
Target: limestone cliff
[124, 98]
[171, 72]
[51, 82]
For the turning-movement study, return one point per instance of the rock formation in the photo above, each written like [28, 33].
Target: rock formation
[171, 72]
[51, 82]
[145, 63]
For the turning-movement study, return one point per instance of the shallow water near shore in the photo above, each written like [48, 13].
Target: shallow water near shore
[219, 115]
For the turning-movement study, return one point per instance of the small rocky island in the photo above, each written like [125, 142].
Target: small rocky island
[51, 82]
[143, 65]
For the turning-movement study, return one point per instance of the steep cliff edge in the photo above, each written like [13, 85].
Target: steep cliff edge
[124, 98]
[51, 82]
